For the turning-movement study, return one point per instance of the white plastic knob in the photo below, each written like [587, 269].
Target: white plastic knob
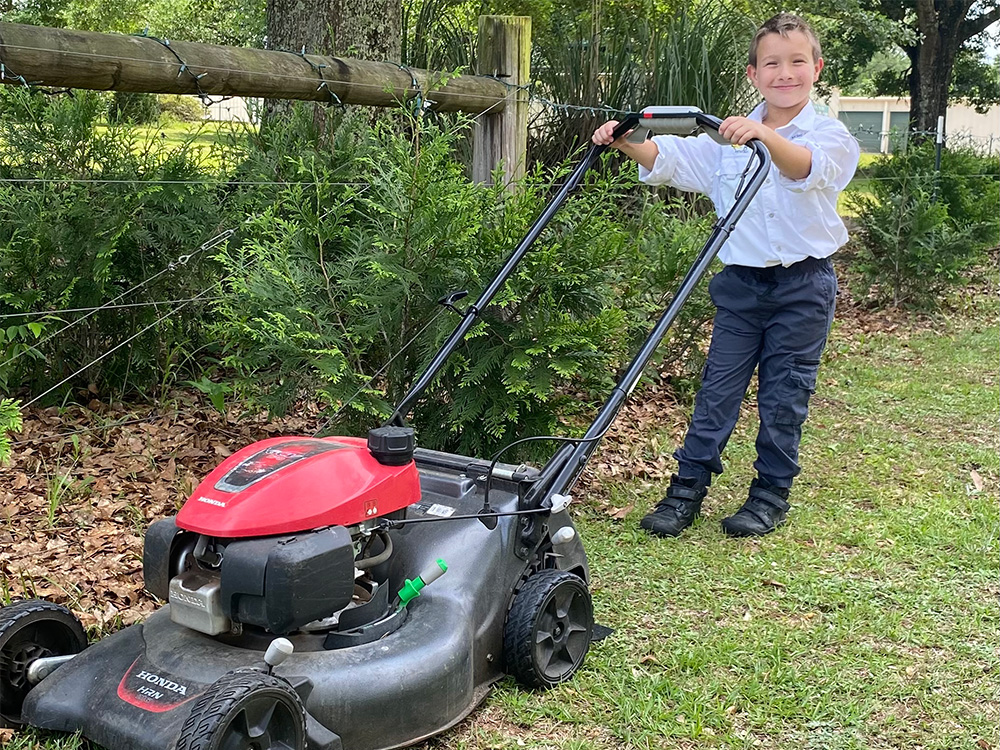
[279, 650]
[564, 535]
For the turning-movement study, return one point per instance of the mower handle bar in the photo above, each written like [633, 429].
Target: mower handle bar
[565, 466]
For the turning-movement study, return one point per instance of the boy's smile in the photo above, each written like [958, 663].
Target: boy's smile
[784, 74]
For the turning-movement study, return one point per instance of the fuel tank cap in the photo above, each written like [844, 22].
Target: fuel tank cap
[391, 446]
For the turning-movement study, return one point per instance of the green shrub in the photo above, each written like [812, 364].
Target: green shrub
[180, 108]
[10, 421]
[87, 213]
[921, 230]
[333, 281]
[968, 184]
[132, 108]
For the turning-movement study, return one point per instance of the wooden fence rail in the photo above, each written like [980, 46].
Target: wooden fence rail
[115, 62]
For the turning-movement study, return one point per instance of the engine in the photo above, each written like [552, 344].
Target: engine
[283, 536]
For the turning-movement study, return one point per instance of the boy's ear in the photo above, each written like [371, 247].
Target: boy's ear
[818, 67]
[752, 74]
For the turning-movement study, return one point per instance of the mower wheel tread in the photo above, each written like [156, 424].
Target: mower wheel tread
[23, 614]
[215, 707]
[524, 626]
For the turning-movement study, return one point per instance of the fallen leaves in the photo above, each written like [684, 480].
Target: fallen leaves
[82, 487]
[977, 481]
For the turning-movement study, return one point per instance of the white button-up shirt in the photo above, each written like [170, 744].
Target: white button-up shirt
[788, 220]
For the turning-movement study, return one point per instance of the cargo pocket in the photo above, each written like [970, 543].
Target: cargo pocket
[798, 386]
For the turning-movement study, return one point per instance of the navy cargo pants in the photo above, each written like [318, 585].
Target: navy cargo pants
[775, 320]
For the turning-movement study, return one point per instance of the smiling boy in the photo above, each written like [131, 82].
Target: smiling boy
[776, 294]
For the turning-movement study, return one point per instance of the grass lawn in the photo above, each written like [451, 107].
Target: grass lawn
[869, 621]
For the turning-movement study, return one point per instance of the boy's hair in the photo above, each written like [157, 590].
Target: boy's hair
[784, 23]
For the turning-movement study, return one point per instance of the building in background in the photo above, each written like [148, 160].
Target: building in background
[880, 122]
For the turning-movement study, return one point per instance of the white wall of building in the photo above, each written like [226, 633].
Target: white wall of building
[962, 123]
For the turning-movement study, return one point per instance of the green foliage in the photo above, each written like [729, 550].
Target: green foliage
[216, 392]
[922, 230]
[177, 108]
[333, 293]
[231, 22]
[136, 109]
[87, 213]
[10, 421]
[630, 55]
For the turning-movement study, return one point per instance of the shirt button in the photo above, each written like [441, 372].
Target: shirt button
[770, 216]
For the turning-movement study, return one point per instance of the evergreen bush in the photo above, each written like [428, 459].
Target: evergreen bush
[922, 229]
[132, 108]
[88, 212]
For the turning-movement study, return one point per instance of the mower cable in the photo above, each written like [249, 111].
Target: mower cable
[387, 524]
[487, 510]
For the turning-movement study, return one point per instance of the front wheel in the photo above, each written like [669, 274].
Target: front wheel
[548, 629]
[31, 630]
[246, 711]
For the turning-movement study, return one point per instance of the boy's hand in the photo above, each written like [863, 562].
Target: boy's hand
[602, 136]
[739, 130]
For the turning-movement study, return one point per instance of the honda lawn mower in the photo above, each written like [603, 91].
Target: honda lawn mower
[342, 593]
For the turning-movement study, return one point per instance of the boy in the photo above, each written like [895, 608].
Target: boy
[775, 296]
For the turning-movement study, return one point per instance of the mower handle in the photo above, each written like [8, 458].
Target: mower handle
[659, 120]
[562, 470]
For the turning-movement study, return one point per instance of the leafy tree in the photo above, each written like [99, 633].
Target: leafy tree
[231, 22]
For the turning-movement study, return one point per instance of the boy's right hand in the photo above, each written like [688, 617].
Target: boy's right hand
[603, 135]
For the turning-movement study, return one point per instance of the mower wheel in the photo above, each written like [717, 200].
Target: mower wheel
[246, 710]
[548, 629]
[31, 630]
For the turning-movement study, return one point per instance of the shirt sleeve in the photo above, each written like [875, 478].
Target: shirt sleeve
[835, 154]
[683, 162]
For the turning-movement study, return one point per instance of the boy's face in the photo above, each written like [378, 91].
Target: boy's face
[785, 70]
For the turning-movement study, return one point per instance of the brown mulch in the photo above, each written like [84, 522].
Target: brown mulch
[83, 483]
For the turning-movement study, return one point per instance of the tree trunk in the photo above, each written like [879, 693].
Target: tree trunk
[365, 29]
[939, 25]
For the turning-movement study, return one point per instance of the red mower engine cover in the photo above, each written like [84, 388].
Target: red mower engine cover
[291, 484]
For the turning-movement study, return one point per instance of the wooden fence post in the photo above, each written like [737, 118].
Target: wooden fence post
[502, 137]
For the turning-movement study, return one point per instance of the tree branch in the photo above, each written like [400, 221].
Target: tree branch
[972, 26]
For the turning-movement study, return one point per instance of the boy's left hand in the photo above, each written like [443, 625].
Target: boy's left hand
[739, 130]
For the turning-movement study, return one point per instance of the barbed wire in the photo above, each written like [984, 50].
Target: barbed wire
[421, 98]
[381, 87]
[221, 182]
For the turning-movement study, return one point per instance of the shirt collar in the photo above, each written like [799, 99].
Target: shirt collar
[804, 120]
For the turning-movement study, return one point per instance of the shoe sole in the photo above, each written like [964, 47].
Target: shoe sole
[741, 532]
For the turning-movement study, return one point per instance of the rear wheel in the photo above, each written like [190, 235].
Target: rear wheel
[548, 629]
[246, 711]
[31, 630]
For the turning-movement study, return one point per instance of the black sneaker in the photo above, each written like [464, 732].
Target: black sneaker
[678, 509]
[763, 512]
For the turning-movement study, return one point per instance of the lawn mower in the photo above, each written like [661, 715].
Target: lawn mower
[341, 593]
